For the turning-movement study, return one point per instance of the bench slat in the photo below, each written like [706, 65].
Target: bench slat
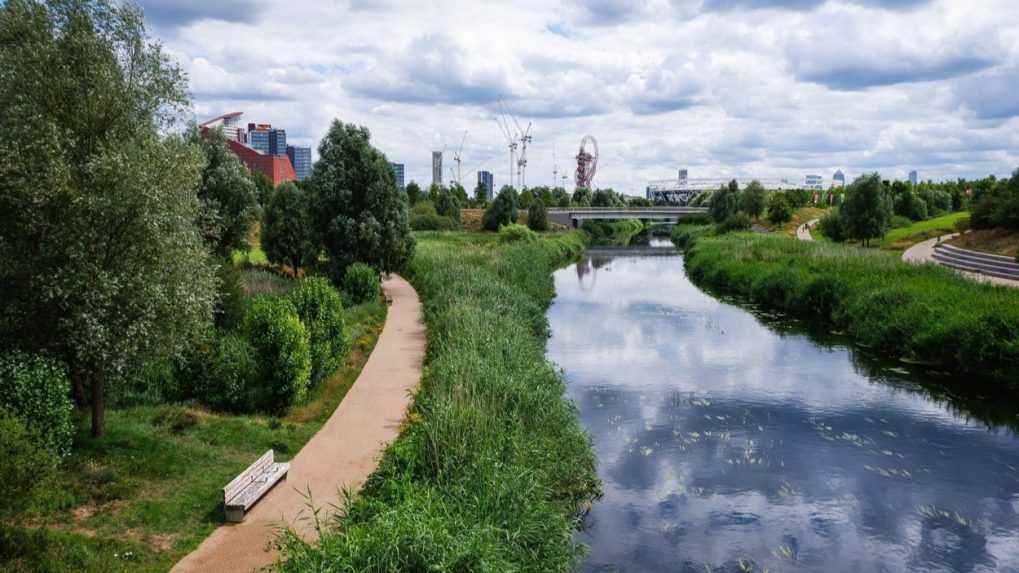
[246, 498]
[254, 470]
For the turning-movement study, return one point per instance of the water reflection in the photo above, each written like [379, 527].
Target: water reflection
[730, 440]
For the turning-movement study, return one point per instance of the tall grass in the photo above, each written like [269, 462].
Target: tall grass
[492, 469]
[920, 312]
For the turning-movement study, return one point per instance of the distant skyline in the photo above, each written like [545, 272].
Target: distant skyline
[766, 88]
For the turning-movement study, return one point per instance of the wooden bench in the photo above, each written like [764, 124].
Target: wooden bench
[246, 489]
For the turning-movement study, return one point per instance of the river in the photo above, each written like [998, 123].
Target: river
[730, 439]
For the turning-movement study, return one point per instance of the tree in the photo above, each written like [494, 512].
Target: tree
[447, 204]
[606, 198]
[359, 212]
[537, 217]
[502, 211]
[458, 191]
[560, 198]
[228, 194]
[866, 213]
[582, 197]
[779, 209]
[263, 187]
[526, 198]
[752, 199]
[413, 193]
[434, 190]
[723, 204]
[101, 262]
[287, 233]
[481, 194]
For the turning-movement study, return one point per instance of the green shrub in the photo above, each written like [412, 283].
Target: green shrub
[502, 211]
[28, 465]
[833, 226]
[684, 236]
[229, 377]
[780, 210]
[537, 216]
[515, 233]
[361, 283]
[900, 222]
[909, 204]
[431, 223]
[281, 351]
[735, 222]
[319, 306]
[37, 390]
[230, 300]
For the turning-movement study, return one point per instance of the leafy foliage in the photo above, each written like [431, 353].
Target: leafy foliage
[752, 199]
[423, 217]
[228, 194]
[537, 216]
[779, 209]
[359, 213]
[28, 465]
[735, 222]
[502, 211]
[514, 233]
[361, 283]
[414, 193]
[101, 261]
[447, 205]
[723, 203]
[36, 390]
[998, 206]
[321, 311]
[866, 211]
[288, 236]
[281, 349]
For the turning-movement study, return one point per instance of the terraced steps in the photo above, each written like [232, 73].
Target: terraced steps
[977, 262]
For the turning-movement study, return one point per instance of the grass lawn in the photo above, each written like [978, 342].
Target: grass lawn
[905, 237]
[148, 492]
[995, 241]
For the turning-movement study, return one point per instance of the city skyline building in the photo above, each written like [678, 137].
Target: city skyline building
[839, 179]
[437, 167]
[914, 177]
[815, 182]
[277, 167]
[487, 180]
[398, 172]
[300, 159]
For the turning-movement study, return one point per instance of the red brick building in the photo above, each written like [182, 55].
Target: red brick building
[276, 167]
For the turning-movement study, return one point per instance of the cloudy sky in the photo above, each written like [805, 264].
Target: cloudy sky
[745, 88]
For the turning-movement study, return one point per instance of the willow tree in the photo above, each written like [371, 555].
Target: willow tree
[101, 262]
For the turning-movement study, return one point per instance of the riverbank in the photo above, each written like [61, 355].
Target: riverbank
[491, 470]
[147, 494]
[916, 312]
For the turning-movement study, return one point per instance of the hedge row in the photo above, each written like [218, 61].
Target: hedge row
[921, 312]
[492, 469]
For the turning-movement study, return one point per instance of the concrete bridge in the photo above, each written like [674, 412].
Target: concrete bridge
[575, 216]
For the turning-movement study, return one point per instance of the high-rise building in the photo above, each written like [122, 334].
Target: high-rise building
[487, 180]
[914, 177]
[814, 182]
[684, 176]
[300, 158]
[839, 179]
[264, 139]
[398, 172]
[437, 167]
[229, 123]
[277, 142]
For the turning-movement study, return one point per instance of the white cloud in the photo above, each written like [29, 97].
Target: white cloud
[761, 88]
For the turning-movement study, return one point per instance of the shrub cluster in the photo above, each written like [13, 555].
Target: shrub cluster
[37, 390]
[514, 233]
[320, 309]
[492, 470]
[361, 283]
[612, 232]
[281, 349]
[28, 464]
[924, 312]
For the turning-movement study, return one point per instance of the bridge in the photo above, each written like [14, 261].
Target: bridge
[574, 217]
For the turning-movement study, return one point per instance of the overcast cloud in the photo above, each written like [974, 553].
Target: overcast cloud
[745, 88]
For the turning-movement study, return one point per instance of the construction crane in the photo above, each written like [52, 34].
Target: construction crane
[511, 141]
[457, 157]
[525, 138]
[555, 168]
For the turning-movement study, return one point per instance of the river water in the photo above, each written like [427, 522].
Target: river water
[729, 439]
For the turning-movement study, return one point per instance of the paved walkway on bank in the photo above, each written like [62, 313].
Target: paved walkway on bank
[342, 454]
[803, 231]
[924, 253]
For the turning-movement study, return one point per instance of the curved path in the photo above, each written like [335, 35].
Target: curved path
[924, 253]
[342, 454]
[803, 231]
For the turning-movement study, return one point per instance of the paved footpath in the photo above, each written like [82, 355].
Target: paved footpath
[803, 231]
[342, 454]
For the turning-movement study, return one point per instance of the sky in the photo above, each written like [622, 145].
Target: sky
[723, 88]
